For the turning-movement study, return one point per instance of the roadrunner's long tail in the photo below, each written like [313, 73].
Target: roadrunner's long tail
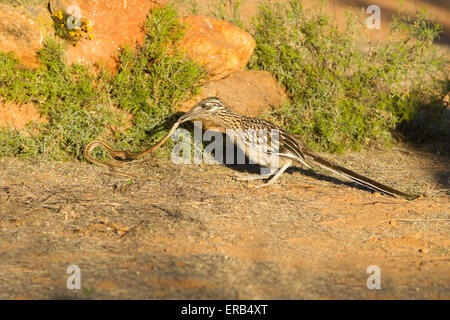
[349, 174]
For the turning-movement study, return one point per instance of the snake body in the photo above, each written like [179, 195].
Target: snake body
[122, 155]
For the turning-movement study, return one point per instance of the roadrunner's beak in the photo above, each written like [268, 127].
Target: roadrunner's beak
[192, 114]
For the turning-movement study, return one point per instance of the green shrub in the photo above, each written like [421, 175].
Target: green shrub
[17, 3]
[341, 98]
[79, 104]
[155, 79]
[229, 10]
[67, 96]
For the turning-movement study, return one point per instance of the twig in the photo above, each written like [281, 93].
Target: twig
[130, 229]
[413, 220]
[402, 150]
[381, 202]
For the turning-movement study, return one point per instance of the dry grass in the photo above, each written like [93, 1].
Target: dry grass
[193, 232]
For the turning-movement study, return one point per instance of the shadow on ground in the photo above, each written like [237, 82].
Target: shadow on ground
[192, 231]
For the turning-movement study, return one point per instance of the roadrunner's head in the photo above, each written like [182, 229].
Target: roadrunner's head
[210, 108]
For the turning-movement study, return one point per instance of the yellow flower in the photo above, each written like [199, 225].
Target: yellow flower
[59, 14]
[91, 36]
[72, 34]
[89, 29]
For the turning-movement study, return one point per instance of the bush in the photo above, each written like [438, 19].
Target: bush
[79, 104]
[152, 81]
[68, 96]
[341, 98]
[17, 3]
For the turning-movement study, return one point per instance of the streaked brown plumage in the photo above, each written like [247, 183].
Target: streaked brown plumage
[278, 155]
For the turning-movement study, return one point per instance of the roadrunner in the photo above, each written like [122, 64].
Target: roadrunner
[273, 147]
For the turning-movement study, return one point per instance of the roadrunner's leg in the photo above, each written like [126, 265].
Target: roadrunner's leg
[278, 174]
[274, 172]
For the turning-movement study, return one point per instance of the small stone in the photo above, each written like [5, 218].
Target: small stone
[392, 223]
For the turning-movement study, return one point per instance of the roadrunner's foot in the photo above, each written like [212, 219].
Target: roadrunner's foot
[278, 173]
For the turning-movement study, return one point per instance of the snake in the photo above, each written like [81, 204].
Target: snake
[123, 155]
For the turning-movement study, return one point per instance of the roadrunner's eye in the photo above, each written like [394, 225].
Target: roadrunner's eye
[209, 106]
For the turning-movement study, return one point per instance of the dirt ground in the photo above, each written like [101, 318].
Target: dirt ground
[192, 231]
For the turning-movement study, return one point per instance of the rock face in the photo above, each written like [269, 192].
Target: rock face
[16, 116]
[222, 48]
[218, 45]
[248, 92]
[22, 30]
[114, 23]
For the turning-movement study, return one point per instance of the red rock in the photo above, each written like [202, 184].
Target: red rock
[114, 22]
[218, 45]
[248, 92]
[22, 30]
[17, 116]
